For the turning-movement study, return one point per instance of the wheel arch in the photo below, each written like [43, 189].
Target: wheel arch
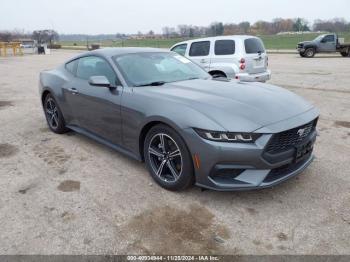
[145, 129]
[44, 95]
[311, 46]
[228, 69]
[213, 72]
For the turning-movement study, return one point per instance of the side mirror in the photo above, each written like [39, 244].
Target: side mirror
[101, 81]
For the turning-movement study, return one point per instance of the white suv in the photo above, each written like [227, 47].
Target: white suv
[240, 57]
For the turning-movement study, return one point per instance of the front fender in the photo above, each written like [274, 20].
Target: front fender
[138, 111]
[184, 121]
[310, 46]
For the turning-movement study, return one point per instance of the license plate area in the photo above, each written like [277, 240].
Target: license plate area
[259, 63]
[303, 151]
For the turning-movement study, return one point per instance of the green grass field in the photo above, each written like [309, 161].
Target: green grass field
[271, 42]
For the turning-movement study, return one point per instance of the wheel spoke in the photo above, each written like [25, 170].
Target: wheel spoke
[161, 167]
[49, 102]
[49, 111]
[174, 153]
[54, 120]
[155, 152]
[172, 170]
[162, 144]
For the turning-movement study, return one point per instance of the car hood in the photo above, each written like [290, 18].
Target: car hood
[306, 43]
[236, 106]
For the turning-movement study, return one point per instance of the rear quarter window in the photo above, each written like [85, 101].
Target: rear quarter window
[200, 48]
[180, 49]
[225, 47]
[71, 67]
[254, 46]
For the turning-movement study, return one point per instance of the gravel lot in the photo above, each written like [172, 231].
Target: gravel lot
[66, 194]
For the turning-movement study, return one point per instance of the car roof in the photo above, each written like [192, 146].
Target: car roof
[222, 37]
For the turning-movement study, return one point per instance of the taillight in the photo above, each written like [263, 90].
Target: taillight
[242, 64]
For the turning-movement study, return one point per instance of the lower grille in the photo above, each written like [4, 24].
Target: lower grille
[285, 140]
[282, 171]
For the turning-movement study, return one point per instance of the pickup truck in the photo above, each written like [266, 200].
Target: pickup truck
[323, 44]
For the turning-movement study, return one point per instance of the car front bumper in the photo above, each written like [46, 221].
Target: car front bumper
[259, 77]
[239, 166]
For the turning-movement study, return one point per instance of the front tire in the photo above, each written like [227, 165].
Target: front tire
[302, 54]
[310, 52]
[168, 159]
[54, 116]
[345, 54]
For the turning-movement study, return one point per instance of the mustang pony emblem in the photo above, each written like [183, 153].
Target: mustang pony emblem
[301, 132]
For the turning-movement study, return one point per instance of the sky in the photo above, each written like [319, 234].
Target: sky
[131, 16]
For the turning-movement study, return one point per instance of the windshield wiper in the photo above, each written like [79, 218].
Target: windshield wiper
[187, 79]
[155, 83]
[192, 78]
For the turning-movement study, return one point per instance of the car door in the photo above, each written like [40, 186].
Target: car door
[97, 109]
[199, 54]
[328, 44]
[255, 56]
[67, 85]
[224, 52]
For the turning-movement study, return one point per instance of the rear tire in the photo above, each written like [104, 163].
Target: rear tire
[54, 116]
[167, 158]
[310, 52]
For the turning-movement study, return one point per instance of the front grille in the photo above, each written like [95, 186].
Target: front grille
[283, 141]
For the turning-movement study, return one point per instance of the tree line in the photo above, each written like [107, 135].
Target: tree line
[275, 26]
[41, 36]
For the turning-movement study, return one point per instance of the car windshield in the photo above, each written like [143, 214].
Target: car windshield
[157, 68]
[319, 38]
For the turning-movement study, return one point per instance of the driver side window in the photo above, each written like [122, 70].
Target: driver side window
[96, 66]
[328, 39]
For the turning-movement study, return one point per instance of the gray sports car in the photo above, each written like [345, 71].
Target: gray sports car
[159, 107]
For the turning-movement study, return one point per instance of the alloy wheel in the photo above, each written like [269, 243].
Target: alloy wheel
[165, 157]
[52, 113]
[310, 52]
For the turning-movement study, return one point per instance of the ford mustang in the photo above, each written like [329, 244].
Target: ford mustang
[159, 107]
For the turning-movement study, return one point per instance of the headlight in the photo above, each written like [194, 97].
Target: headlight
[227, 136]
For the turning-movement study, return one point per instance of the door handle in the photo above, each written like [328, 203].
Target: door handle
[203, 61]
[73, 90]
